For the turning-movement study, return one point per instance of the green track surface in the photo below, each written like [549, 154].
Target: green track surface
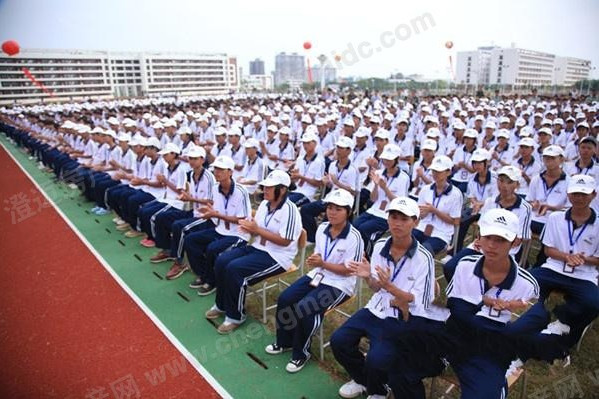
[225, 357]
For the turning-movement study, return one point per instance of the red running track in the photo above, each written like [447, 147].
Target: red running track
[67, 329]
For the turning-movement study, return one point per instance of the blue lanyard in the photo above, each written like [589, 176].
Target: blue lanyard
[268, 219]
[327, 253]
[398, 268]
[548, 190]
[482, 289]
[571, 235]
[481, 194]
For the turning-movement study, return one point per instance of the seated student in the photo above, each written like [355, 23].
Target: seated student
[507, 184]
[547, 191]
[482, 186]
[463, 170]
[301, 307]
[173, 179]
[440, 208]
[478, 339]
[172, 225]
[527, 164]
[230, 204]
[401, 270]
[585, 164]
[342, 174]
[502, 154]
[150, 188]
[544, 140]
[307, 173]
[276, 228]
[285, 153]
[269, 147]
[571, 243]
[422, 175]
[389, 183]
[100, 173]
[358, 157]
[253, 169]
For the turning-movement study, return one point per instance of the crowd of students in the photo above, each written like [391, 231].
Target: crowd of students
[381, 186]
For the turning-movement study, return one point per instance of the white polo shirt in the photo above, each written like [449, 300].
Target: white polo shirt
[398, 184]
[234, 203]
[253, 171]
[202, 189]
[413, 273]
[346, 247]
[237, 155]
[481, 192]
[506, 155]
[129, 162]
[272, 146]
[348, 175]
[522, 209]
[286, 153]
[285, 221]
[427, 173]
[407, 148]
[531, 170]
[463, 155]
[450, 201]
[358, 158]
[561, 234]
[177, 177]
[153, 169]
[469, 284]
[554, 195]
[312, 168]
[574, 168]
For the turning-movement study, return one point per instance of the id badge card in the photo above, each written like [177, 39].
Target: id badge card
[494, 312]
[227, 225]
[383, 205]
[568, 269]
[315, 282]
[262, 241]
[428, 230]
[464, 174]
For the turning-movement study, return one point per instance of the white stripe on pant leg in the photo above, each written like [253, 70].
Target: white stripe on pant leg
[106, 198]
[153, 219]
[306, 347]
[241, 300]
[308, 342]
[182, 236]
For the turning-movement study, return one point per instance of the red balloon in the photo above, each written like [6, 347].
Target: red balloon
[307, 45]
[337, 58]
[10, 47]
[449, 44]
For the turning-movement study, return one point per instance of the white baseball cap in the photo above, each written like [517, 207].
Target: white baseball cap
[581, 184]
[553, 151]
[272, 128]
[251, 143]
[526, 142]
[308, 137]
[583, 124]
[490, 125]
[391, 151]
[362, 132]
[471, 133]
[429, 144]
[499, 222]
[124, 137]
[480, 155]
[136, 140]
[157, 125]
[224, 162]
[503, 133]
[441, 163]
[345, 142]
[459, 125]
[285, 130]
[382, 134]
[170, 123]
[234, 131]
[196, 152]
[433, 132]
[307, 119]
[349, 122]
[153, 142]
[185, 130]
[275, 178]
[545, 130]
[340, 197]
[511, 171]
[169, 148]
[405, 205]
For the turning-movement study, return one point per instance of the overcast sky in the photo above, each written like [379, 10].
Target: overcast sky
[262, 28]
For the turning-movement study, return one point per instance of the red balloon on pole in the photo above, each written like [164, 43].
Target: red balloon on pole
[448, 44]
[10, 47]
[307, 45]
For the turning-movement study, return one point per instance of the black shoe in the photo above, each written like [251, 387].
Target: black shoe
[206, 289]
[296, 365]
[197, 283]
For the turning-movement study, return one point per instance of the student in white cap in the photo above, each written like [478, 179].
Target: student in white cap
[301, 307]
[463, 171]
[440, 208]
[173, 182]
[544, 137]
[547, 191]
[254, 169]
[230, 204]
[276, 229]
[390, 183]
[421, 174]
[235, 150]
[571, 151]
[342, 174]
[172, 225]
[585, 164]
[285, 153]
[308, 172]
[571, 243]
[527, 164]
[401, 270]
[508, 179]
[502, 154]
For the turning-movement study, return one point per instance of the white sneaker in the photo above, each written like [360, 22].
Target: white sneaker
[557, 328]
[351, 389]
[296, 365]
[376, 397]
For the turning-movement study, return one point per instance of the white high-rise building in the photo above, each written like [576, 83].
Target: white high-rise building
[518, 67]
[77, 74]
